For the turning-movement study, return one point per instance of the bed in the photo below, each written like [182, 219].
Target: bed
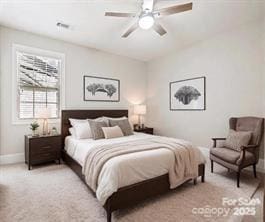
[126, 195]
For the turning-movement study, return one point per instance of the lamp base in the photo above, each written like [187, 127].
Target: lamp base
[45, 127]
[138, 126]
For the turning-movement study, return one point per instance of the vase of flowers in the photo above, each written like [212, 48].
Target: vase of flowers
[34, 126]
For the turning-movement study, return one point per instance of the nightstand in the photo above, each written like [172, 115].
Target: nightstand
[42, 149]
[147, 130]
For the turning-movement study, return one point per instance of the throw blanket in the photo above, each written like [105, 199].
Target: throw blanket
[186, 161]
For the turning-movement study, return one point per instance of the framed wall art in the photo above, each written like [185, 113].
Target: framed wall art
[101, 89]
[188, 94]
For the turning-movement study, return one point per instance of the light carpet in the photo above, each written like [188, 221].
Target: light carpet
[55, 193]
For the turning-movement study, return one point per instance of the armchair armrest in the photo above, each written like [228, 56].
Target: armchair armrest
[244, 149]
[248, 147]
[217, 138]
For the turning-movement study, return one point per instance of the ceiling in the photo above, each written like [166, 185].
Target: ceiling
[89, 26]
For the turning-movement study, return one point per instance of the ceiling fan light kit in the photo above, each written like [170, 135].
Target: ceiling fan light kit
[148, 16]
[146, 21]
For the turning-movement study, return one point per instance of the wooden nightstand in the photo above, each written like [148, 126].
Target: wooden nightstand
[147, 130]
[42, 149]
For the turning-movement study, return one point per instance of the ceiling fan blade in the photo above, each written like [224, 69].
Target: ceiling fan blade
[159, 29]
[174, 9]
[120, 14]
[130, 30]
[148, 5]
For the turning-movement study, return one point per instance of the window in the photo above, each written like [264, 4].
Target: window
[38, 83]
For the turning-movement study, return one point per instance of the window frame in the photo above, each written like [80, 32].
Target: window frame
[15, 78]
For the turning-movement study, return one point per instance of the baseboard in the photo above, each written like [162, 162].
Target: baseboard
[205, 151]
[12, 158]
[260, 166]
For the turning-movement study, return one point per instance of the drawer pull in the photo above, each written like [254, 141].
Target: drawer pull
[46, 147]
[46, 154]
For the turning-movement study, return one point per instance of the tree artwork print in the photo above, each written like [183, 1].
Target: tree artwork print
[188, 94]
[101, 89]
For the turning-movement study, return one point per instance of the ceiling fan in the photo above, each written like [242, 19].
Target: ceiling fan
[148, 15]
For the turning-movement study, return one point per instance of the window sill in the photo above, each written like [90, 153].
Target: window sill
[29, 121]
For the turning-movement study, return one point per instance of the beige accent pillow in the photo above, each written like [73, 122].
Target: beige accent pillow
[236, 139]
[112, 132]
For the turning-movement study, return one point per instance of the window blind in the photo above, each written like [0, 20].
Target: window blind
[38, 85]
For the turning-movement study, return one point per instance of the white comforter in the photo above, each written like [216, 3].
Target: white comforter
[126, 169]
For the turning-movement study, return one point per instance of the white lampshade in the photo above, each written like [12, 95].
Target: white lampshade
[140, 109]
[44, 113]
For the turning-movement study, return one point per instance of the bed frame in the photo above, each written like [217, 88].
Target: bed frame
[125, 196]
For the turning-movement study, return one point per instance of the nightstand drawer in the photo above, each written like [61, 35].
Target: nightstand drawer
[43, 145]
[42, 157]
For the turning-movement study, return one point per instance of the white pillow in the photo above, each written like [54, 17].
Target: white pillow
[82, 130]
[112, 132]
[102, 119]
[72, 131]
[77, 121]
[115, 118]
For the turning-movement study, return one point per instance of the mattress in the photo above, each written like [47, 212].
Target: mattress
[77, 148]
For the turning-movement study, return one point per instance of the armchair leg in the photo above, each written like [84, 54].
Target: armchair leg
[211, 166]
[238, 178]
[254, 170]
[203, 175]
[108, 216]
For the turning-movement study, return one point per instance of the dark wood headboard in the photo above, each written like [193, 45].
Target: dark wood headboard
[86, 114]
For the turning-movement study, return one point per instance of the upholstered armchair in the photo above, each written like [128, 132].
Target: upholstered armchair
[246, 155]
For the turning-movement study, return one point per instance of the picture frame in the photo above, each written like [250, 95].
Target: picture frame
[101, 89]
[188, 94]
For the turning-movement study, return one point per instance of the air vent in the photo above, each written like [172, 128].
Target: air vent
[62, 25]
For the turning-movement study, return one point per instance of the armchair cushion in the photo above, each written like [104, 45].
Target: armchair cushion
[236, 139]
[253, 124]
[232, 156]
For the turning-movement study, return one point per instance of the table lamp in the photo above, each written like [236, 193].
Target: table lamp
[45, 114]
[140, 110]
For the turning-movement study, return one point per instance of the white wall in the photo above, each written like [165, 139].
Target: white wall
[263, 84]
[79, 61]
[232, 64]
